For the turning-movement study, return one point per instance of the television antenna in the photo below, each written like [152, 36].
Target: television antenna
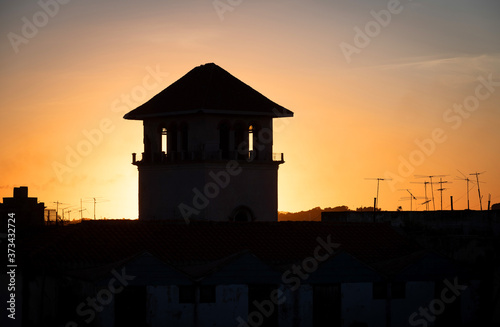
[441, 189]
[432, 188]
[82, 209]
[81, 212]
[426, 202]
[95, 200]
[378, 182]
[425, 192]
[478, 190]
[57, 209]
[465, 178]
[411, 198]
[68, 211]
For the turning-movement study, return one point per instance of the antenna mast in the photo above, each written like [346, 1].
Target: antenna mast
[411, 197]
[432, 188]
[425, 194]
[95, 200]
[465, 178]
[376, 202]
[478, 190]
[57, 210]
[441, 189]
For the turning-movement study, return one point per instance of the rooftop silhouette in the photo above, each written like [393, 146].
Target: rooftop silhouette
[208, 89]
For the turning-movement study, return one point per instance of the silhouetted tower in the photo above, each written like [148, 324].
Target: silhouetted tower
[208, 141]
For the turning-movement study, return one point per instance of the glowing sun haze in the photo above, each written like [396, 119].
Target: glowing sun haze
[388, 89]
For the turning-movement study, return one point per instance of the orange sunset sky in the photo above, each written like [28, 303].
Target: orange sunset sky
[379, 89]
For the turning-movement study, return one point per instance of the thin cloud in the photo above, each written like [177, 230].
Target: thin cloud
[454, 71]
[481, 63]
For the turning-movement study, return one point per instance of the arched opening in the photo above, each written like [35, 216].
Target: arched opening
[250, 138]
[224, 139]
[184, 137]
[254, 146]
[172, 139]
[164, 140]
[241, 140]
[242, 214]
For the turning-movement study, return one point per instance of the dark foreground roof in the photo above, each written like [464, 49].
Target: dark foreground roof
[97, 243]
[208, 89]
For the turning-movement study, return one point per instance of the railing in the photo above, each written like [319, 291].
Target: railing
[189, 156]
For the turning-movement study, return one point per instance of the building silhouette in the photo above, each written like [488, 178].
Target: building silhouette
[192, 259]
[28, 211]
[164, 273]
[208, 150]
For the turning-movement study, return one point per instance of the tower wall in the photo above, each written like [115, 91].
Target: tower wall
[231, 190]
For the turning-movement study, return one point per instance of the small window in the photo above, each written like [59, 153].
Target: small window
[130, 306]
[379, 290]
[327, 305]
[250, 138]
[207, 294]
[164, 140]
[398, 290]
[187, 294]
[257, 295]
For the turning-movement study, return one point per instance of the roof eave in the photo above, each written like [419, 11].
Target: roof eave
[275, 114]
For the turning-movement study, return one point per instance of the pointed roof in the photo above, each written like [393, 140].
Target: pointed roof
[208, 89]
